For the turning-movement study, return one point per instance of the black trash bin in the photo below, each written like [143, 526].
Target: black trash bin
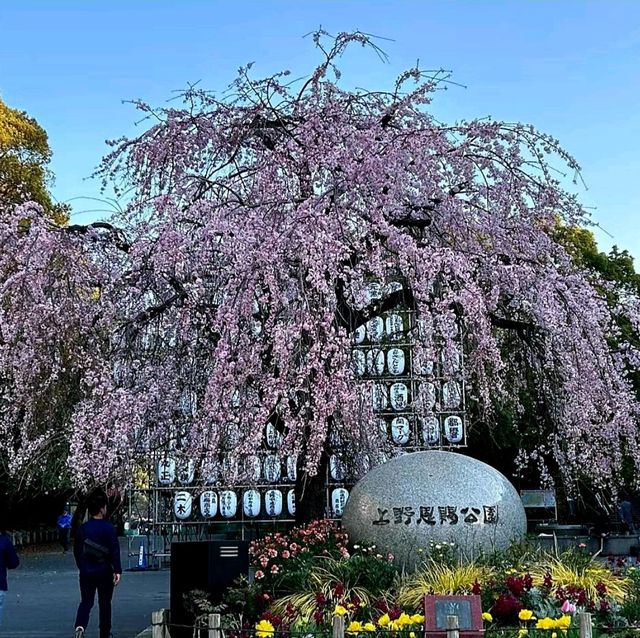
[210, 566]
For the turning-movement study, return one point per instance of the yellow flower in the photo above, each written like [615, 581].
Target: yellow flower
[554, 635]
[384, 620]
[487, 616]
[412, 634]
[417, 619]
[545, 623]
[404, 619]
[340, 610]
[526, 614]
[354, 627]
[264, 629]
[563, 622]
[522, 633]
[369, 626]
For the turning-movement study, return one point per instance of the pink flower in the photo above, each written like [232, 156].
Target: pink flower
[568, 608]
[285, 553]
[274, 569]
[259, 574]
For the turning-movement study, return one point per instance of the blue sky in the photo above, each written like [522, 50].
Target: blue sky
[571, 68]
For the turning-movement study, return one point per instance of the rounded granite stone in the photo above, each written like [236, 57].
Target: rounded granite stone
[437, 496]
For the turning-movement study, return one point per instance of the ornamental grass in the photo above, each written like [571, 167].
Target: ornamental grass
[437, 578]
[596, 579]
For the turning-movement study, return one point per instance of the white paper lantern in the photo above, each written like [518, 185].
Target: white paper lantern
[400, 430]
[253, 468]
[422, 366]
[230, 470]
[274, 438]
[228, 503]
[208, 504]
[182, 505]
[453, 430]
[273, 502]
[166, 471]
[395, 361]
[394, 325]
[292, 468]
[429, 394]
[399, 396]
[431, 430]
[186, 471]
[359, 334]
[373, 292]
[379, 397]
[375, 329]
[451, 361]
[339, 498]
[451, 395]
[375, 362]
[291, 502]
[272, 469]
[336, 468]
[251, 503]
[392, 286]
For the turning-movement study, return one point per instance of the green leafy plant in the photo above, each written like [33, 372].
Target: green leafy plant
[441, 578]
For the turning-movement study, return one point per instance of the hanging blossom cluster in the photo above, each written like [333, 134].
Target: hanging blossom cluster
[226, 295]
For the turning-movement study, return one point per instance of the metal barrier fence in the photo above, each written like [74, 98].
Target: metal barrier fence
[211, 627]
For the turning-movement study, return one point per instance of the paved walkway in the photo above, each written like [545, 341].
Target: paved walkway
[43, 597]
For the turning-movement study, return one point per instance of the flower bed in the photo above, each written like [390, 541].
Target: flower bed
[305, 578]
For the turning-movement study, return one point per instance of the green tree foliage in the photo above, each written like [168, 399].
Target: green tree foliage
[616, 266]
[24, 159]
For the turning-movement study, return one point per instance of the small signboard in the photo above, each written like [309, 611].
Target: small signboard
[544, 499]
[467, 609]
[538, 501]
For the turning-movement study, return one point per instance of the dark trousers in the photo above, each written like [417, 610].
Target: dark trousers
[102, 582]
[64, 535]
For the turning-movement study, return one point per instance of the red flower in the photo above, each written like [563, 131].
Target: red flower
[394, 613]
[476, 590]
[507, 608]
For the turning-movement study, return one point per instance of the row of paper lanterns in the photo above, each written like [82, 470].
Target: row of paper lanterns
[452, 430]
[397, 396]
[168, 471]
[269, 469]
[377, 329]
[271, 502]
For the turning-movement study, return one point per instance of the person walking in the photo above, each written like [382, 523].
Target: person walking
[8, 560]
[64, 530]
[97, 555]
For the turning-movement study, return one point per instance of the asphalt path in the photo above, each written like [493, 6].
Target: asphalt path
[44, 594]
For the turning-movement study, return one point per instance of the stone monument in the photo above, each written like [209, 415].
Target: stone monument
[444, 497]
